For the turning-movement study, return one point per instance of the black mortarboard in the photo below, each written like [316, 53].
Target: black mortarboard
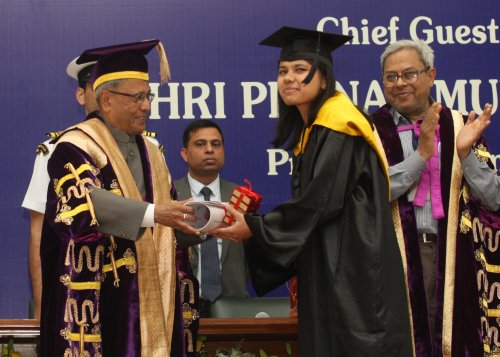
[312, 45]
[81, 72]
[124, 61]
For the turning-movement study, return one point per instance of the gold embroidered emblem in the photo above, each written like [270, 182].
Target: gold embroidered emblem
[481, 153]
[128, 261]
[130, 257]
[465, 222]
[189, 314]
[465, 193]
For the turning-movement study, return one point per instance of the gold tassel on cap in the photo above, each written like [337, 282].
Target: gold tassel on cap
[164, 66]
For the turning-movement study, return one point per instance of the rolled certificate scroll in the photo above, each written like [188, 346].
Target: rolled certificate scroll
[209, 215]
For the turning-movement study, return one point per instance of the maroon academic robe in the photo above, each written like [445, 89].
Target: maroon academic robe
[466, 253]
[84, 305]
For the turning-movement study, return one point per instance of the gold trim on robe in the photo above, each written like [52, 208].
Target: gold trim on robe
[155, 249]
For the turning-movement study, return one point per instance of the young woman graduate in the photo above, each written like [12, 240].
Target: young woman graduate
[336, 233]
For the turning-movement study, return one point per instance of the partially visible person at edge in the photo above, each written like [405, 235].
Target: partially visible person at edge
[203, 152]
[109, 278]
[36, 195]
[451, 260]
[336, 232]
[466, 138]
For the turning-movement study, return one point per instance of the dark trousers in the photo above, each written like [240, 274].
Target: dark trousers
[428, 256]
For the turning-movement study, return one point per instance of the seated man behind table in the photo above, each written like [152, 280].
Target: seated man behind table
[203, 151]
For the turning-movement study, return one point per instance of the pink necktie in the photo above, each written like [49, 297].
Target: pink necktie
[429, 180]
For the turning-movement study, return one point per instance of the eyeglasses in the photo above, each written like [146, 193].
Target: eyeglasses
[138, 97]
[409, 77]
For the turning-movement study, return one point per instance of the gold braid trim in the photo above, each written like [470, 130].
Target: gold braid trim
[189, 284]
[86, 285]
[155, 249]
[482, 281]
[493, 313]
[485, 234]
[76, 353]
[189, 335]
[78, 265]
[87, 337]
[128, 262]
[111, 255]
[76, 175]
[66, 213]
[490, 268]
[490, 337]
[71, 311]
[81, 337]
[451, 245]
[495, 287]
[79, 209]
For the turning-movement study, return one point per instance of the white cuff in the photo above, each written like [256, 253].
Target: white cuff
[149, 216]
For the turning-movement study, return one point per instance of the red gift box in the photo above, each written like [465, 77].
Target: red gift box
[244, 199]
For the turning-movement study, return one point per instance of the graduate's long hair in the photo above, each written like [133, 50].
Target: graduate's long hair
[290, 123]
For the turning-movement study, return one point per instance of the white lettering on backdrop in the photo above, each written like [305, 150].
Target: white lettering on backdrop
[209, 102]
[421, 27]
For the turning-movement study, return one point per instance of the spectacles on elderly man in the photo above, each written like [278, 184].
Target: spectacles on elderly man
[138, 97]
[410, 76]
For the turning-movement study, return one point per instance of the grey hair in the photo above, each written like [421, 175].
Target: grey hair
[425, 52]
[106, 86]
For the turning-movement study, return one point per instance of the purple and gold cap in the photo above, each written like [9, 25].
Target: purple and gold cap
[124, 61]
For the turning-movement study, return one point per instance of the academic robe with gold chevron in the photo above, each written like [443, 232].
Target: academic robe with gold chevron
[467, 279]
[104, 295]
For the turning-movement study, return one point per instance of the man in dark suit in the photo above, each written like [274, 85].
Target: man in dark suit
[203, 151]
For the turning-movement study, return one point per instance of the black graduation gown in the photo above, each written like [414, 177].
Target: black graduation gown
[338, 234]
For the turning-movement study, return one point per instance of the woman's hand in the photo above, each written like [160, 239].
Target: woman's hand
[237, 232]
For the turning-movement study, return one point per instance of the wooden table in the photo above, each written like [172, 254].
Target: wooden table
[269, 334]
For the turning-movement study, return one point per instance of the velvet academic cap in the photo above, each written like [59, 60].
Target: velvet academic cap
[302, 44]
[125, 61]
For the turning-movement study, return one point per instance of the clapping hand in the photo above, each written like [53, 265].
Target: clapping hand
[472, 131]
[428, 131]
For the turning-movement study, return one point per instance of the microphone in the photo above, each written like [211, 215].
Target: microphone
[261, 315]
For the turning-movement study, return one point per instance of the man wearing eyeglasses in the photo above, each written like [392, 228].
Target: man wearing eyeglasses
[35, 198]
[108, 247]
[435, 216]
